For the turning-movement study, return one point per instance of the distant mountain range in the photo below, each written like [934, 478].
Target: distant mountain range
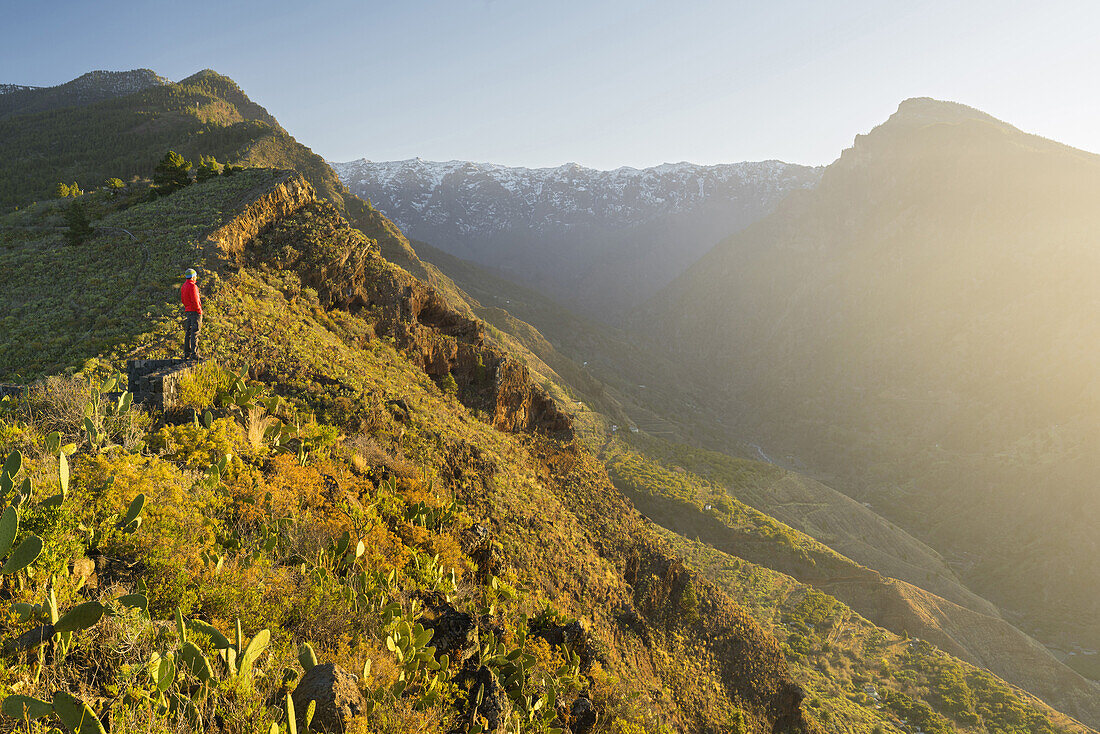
[600, 241]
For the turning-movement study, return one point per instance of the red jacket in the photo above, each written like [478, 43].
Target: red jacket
[189, 294]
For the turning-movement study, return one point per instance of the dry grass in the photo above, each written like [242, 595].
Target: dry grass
[57, 404]
[368, 453]
[256, 422]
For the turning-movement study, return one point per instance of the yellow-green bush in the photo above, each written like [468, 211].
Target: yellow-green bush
[177, 521]
[199, 388]
[197, 447]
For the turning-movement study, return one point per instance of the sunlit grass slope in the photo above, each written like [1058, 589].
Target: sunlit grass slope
[523, 533]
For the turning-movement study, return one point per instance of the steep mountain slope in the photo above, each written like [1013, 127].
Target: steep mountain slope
[95, 86]
[710, 509]
[675, 483]
[597, 240]
[919, 327]
[400, 412]
[862, 675]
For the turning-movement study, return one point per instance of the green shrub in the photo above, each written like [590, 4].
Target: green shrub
[197, 447]
[80, 228]
[171, 174]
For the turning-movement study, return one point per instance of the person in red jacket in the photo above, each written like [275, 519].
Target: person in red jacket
[192, 315]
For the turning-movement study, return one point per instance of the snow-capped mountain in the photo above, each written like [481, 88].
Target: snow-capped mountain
[602, 240]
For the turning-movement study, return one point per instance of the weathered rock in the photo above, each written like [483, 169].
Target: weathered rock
[336, 693]
[482, 683]
[285, 198]
[452, 630]
[573, 637]
[478, 544]
[84, 573]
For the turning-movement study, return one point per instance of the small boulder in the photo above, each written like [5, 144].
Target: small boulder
[84, 573]
[483, 683]
[452, 630]
[582, 717]
[572, 636]
[337, 695]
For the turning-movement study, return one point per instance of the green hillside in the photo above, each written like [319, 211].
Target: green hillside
[45, 140]
[711, 507]
[455, 516]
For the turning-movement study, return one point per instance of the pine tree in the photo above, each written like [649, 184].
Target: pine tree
[208, 168]
[80, 229]
[172, 173]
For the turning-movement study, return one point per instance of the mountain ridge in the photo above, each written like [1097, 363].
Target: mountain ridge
[94, 86]
[598, 240]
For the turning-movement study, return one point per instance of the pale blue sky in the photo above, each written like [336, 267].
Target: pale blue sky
[600, 83]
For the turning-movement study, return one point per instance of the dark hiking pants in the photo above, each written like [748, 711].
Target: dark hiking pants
[192, 324]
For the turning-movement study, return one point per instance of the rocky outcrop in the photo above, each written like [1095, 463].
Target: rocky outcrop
[444, 342]
[289, 193]
[337, 695]
[673, 598]
[453, 631]
[484, 695]
[289, 229]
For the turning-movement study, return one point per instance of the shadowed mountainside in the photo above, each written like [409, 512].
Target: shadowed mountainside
[95, 86]
[921, 328]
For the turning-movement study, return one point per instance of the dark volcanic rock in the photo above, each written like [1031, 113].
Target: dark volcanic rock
[582, 717]
[452, 630]
[573, 637]
[482, 683]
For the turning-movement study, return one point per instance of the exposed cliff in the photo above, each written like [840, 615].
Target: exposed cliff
[286, 226]
[282, 198]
